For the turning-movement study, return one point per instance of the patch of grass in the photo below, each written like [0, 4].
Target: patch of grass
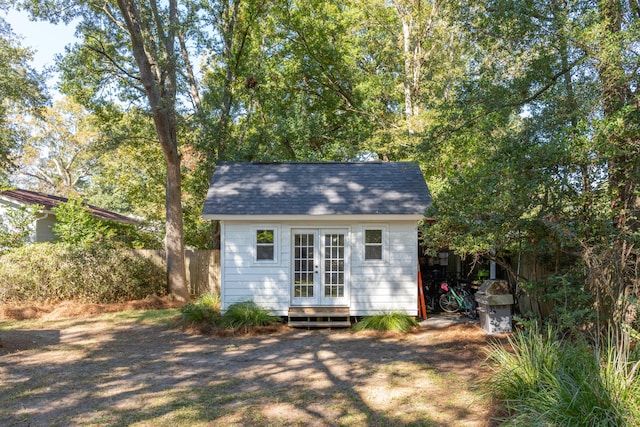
[163, 316]
[389, 321]
[246, 315]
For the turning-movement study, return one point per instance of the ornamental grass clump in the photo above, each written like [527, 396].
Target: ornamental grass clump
[247, 314]
[546, 380]
[205, 310]
[389, 321]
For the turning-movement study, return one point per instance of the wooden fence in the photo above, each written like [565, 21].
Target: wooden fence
[203, 268]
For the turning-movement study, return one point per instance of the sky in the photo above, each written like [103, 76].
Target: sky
[45, 39]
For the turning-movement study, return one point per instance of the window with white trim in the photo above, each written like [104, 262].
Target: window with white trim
[373, 244]
[265, 244]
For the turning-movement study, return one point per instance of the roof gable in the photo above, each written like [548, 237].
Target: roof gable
[372, 188]
[49, 202]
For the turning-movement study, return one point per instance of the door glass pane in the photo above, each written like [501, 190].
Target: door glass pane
[334, 266]
[303, 266]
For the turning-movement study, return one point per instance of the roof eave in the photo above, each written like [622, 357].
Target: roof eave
[328, 217]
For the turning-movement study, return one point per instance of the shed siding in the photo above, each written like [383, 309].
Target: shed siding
[375, 286]
[392, 283]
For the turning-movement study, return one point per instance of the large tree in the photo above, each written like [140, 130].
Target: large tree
[129, 50]
[542, 141]
[60, 150]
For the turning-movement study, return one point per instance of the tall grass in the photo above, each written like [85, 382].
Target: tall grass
[388, 321]
[545, 380]
[205, 309]
[247, 314]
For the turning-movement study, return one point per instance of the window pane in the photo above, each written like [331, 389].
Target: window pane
[373, 252]
[264, 236]
[373, 236]
[265, 252]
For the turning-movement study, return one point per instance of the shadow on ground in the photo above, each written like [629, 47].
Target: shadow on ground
[130, 372]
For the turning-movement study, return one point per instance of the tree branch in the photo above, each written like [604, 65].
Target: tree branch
[113, 62]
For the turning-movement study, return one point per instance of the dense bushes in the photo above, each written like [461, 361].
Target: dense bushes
[90, 274]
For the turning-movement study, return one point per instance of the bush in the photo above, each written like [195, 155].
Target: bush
[206, 309]
[247, 314]
[548, 381]
[391, 321]
[56, 272]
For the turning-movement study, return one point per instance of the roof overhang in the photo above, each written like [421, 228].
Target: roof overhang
[342, 218]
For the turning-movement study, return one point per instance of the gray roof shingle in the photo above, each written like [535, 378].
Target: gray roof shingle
[372, 188]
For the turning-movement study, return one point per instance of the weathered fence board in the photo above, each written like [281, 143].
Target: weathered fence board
[203, 268]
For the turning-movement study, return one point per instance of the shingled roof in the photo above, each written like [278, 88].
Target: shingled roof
[49, 202]
[318, 189]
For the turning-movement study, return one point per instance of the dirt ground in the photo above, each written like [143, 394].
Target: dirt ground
[75, 369]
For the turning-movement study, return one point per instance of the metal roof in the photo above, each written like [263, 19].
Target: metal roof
[49, 202]
[372, 188]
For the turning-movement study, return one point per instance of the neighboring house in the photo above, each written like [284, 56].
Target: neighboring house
[46, 218]
[324, 238]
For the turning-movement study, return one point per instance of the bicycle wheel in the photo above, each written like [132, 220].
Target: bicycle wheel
[470, 307]
[429, 303]
[448, 303]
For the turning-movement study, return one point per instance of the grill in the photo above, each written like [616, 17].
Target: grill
[494, 306]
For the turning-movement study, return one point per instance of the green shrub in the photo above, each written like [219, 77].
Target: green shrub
[548, 381]
[247, 314]
[90, 274]
[206, 309]
[388, 321]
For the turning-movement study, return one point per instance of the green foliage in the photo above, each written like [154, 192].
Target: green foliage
[246, 315]
[571, 301]
[547, 380]
[61, 149]
[21, 90]
[205, 309]
[91, 274]
[74, 224]
[388, 321]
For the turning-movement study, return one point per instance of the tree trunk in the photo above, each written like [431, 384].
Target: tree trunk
[174, 237]
[158, 76]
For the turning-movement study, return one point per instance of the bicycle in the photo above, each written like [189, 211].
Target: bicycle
[453, 301]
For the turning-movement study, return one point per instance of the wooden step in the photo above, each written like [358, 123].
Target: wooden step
[319, 317]
[319, 324]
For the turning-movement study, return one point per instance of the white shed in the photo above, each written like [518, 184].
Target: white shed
[321, 239]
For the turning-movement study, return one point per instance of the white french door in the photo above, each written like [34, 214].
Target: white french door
[320, 267]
